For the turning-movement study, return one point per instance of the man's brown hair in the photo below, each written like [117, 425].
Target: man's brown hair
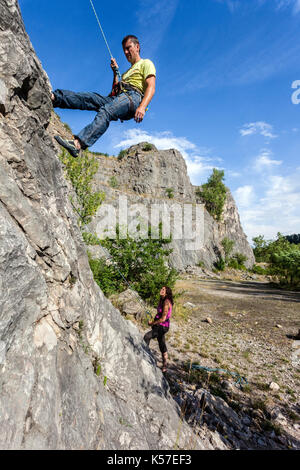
[132, 38]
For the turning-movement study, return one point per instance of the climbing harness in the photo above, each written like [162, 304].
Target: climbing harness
[104, 37]
[240, 379]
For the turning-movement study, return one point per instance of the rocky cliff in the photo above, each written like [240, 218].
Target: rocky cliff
[73, 373]
[146, 176]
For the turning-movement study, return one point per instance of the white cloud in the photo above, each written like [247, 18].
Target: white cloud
[264, 161]
[199, 161]
[259, 127]
[276, 210]
[244, 196]
[161, 140]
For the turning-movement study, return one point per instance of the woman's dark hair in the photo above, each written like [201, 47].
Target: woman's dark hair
[169, 296]
[132, 38]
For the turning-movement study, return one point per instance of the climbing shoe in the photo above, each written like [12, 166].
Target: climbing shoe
[69, 145]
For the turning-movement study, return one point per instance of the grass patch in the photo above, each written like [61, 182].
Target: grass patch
[268, 426]
[259, 405]
[181, 314]
[262, 386]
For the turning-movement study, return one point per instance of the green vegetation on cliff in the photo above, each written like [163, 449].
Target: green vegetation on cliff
[213, 194]
[80, 171]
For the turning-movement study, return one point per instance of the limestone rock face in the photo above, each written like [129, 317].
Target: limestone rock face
[151, 177]
[56, 327]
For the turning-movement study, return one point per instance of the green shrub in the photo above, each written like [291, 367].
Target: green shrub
[80, 171]
[105, 276]
[237, 261]
[113, 182]
[220, 264]
[147, 147]
[213, 194]
[201, 264]
[232, 263]
[283, 258]
[170, 193]
[122, 154]
[227, 246]
[139, 262]
[258, 270]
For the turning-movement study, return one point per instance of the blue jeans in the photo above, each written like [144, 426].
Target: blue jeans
[108, 108]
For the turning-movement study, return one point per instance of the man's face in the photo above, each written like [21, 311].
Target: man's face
[131, 51]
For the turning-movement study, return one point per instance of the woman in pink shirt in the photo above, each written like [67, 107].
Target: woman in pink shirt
[161, 323]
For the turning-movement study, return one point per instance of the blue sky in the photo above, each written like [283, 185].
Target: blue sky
[225, 70]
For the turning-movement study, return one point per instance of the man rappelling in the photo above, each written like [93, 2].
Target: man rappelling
[130, 96]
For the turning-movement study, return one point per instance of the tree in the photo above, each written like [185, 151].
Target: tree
[228, 247]
[213, 194]
[283, 258]
[261, 249]
[293, 239]
[142, 263]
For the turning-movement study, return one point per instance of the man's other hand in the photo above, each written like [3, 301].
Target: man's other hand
[140, 114]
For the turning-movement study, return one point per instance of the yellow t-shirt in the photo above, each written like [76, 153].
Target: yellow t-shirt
[137, 74]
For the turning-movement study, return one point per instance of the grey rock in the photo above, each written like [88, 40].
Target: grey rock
[130, 303]
[228, 386]
[261, 442]
[274, 386]
[246, 421]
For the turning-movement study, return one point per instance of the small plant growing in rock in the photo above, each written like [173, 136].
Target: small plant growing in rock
[201, 264]
[122, 154]
[113, 182]
[80, 171]
[67, 127]
[213, 194]
[267, 425]
[147, 147]
[97, 366]
[170, 193]
[72, 280]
